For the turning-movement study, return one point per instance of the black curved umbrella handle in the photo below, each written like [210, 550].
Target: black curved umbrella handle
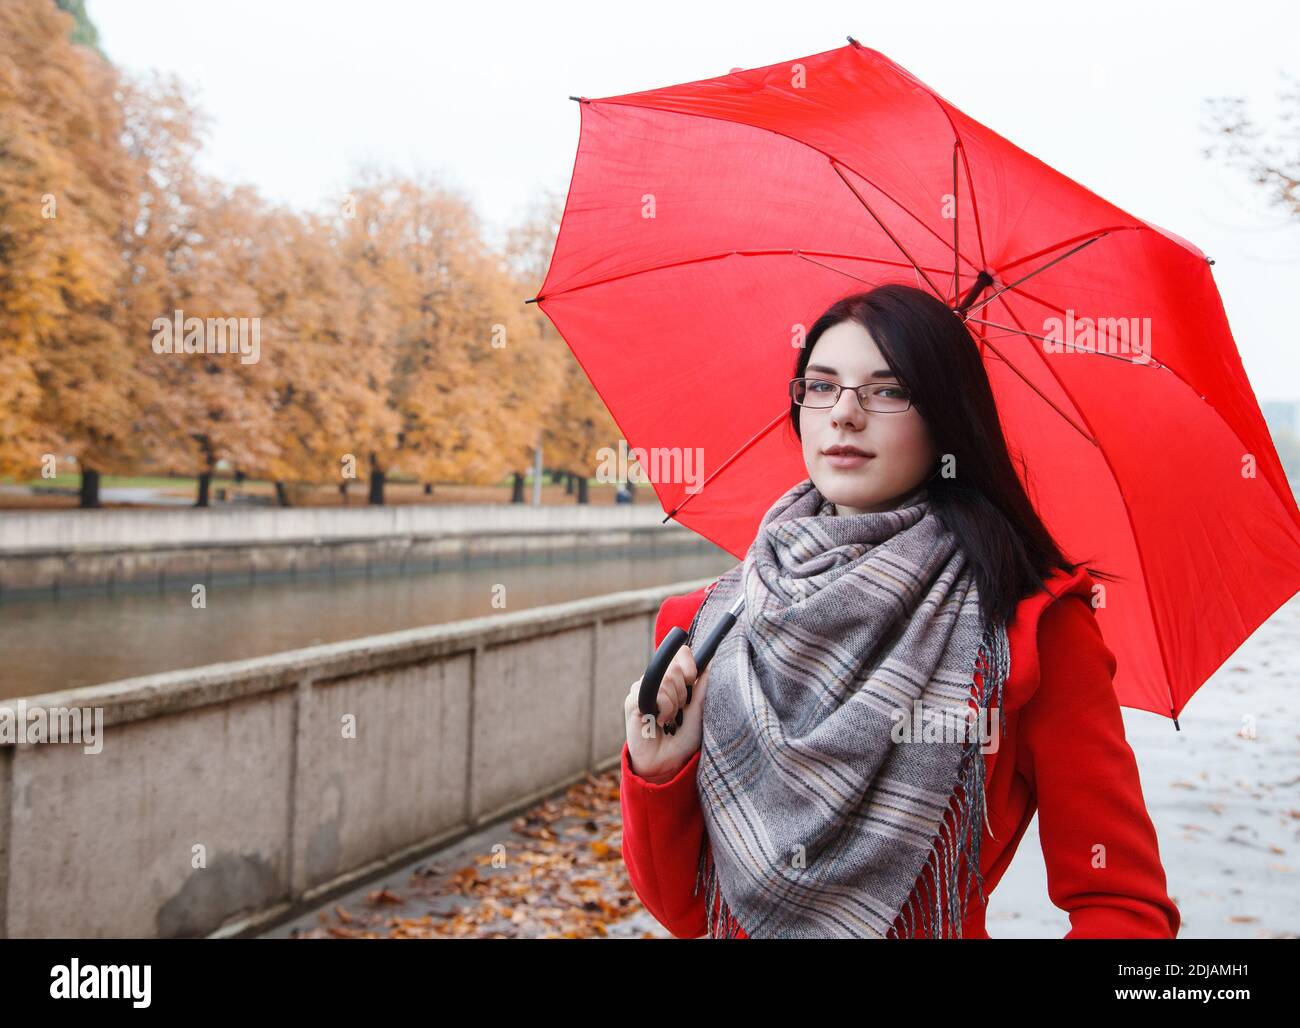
[674, 641]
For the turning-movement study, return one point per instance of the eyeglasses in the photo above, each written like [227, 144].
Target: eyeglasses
[881, 398]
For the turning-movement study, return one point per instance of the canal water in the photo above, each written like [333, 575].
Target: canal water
[48, 644]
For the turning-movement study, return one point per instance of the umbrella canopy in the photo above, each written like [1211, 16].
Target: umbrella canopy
[708, 224]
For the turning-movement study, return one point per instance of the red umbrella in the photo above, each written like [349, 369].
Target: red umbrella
[708, 223]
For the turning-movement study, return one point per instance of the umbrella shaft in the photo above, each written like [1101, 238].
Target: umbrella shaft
[982, 281]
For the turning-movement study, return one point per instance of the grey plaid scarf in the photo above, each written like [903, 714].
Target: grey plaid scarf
[821, 815]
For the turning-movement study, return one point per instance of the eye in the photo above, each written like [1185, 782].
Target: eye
[816, 386]
[899, 391]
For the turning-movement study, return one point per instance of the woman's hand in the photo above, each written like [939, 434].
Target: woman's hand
[656, 753]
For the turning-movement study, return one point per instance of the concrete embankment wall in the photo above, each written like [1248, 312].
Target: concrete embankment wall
[228, 796]
[75, 551]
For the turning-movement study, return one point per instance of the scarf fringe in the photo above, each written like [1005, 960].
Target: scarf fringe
[725, 925]
[992, 661]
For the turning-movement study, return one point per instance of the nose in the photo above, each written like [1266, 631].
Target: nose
[848, 410]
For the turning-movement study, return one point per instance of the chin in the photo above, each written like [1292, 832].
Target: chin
[845, 495]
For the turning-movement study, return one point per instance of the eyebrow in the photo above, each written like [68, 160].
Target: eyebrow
[882, 373]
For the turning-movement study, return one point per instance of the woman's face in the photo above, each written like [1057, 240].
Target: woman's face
[904, 454]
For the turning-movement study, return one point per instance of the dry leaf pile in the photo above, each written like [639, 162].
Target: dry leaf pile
[557, 873]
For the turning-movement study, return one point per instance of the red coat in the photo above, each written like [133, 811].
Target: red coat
[1062, 751]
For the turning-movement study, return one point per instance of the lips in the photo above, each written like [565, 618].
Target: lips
[846, 451]
[845, 458]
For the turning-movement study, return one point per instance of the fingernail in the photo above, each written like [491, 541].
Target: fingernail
[680, 714]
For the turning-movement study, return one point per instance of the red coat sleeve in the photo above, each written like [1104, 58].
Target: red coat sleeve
[1099, 845]
[663, 825]
[663, 829]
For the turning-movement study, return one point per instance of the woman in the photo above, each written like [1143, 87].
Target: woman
[817, 787]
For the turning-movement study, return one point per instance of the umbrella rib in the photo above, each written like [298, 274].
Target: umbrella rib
[718, 256]
[1150, 359]
[993, 296]
[722, 467]
[1117, 356]
[1069, 346]
[984, 341]
[1128, 514]
[956, 264]
[958, 143]
[1067, 242]
[970, 184]
[1078, 428]
[856, 278]
[884, 228]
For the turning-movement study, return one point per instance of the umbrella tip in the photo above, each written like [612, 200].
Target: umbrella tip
[1210, 259]
[853, 41]
[580, 99]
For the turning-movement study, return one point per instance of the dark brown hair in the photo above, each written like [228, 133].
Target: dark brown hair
[934, 356]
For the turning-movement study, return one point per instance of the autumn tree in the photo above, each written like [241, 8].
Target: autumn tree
[577, 423]
[195, 249]
[467, 386]
[65, 367]
[333, 373]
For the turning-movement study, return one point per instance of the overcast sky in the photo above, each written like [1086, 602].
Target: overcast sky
[1111, 94]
